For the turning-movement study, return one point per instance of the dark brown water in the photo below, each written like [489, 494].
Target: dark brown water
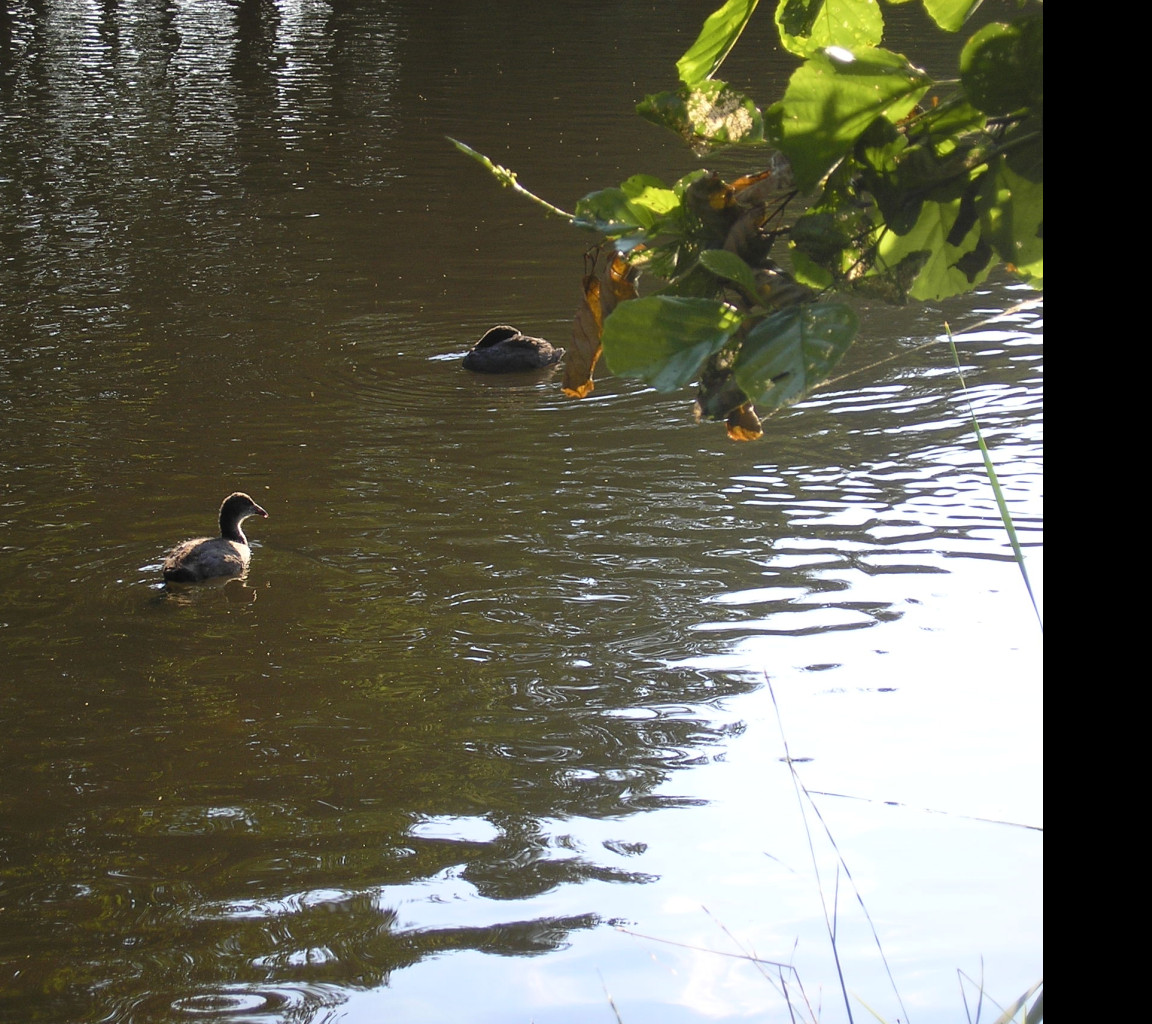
[496, 681]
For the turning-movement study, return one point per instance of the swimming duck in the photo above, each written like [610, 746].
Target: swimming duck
[505, 350]
[206, 557]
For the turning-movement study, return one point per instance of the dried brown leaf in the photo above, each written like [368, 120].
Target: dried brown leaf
[613, 283]
[744, 424]
[773, 183]
[584, 351]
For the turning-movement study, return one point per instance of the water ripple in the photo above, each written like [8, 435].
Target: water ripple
[256, 1003]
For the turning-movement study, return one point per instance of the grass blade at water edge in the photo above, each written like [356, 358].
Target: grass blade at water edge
[1033, 1014]
[990, 469]
[829, 921]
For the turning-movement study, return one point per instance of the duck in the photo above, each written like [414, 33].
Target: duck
[503, 349]
[203, 558]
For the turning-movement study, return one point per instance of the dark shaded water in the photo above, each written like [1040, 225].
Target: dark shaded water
[496, 680]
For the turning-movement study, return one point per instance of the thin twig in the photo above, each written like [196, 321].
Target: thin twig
[904, 352]
[508, 178]
[925, 810]
[779, 982]
[705, 949]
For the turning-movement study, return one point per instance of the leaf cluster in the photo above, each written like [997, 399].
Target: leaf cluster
[911, 189]
[924, 194]
[726, 315]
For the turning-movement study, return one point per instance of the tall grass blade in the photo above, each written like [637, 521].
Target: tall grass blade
[1033, 1015]
[1005, 515]
[611, 1001]
[828, 924]
[979, 993]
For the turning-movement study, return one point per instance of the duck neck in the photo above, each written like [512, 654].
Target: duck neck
[230, 530]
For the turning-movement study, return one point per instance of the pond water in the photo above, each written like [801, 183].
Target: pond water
[497, 728]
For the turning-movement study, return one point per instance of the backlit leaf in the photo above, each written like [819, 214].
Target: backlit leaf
[706, 115]
[942, 273]
[721, 30]
[663, 339]
[1014, 223]
[832, 98]
[950, 15]
[730, 266]
[638, 203]
[807, 26]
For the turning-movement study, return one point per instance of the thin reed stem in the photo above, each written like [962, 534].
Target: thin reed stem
[990, 469]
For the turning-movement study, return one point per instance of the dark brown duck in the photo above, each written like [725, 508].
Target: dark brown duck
[203, 558]
[505, 350]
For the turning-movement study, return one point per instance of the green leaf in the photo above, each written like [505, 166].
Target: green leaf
[821, 236]
[1023, 145]
[607, 211]
[787, 354]
[832, 98]
[947, 268]
[950, 15]
[640, 202]
[1002, 67]
[891, 283]
[1013, 221]
[901, 176]
[807, 26]
[810, 273]
[706, 115]
[728, 265]
[950, 120]
[664, 340]
[649, 193]
[721, 30]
